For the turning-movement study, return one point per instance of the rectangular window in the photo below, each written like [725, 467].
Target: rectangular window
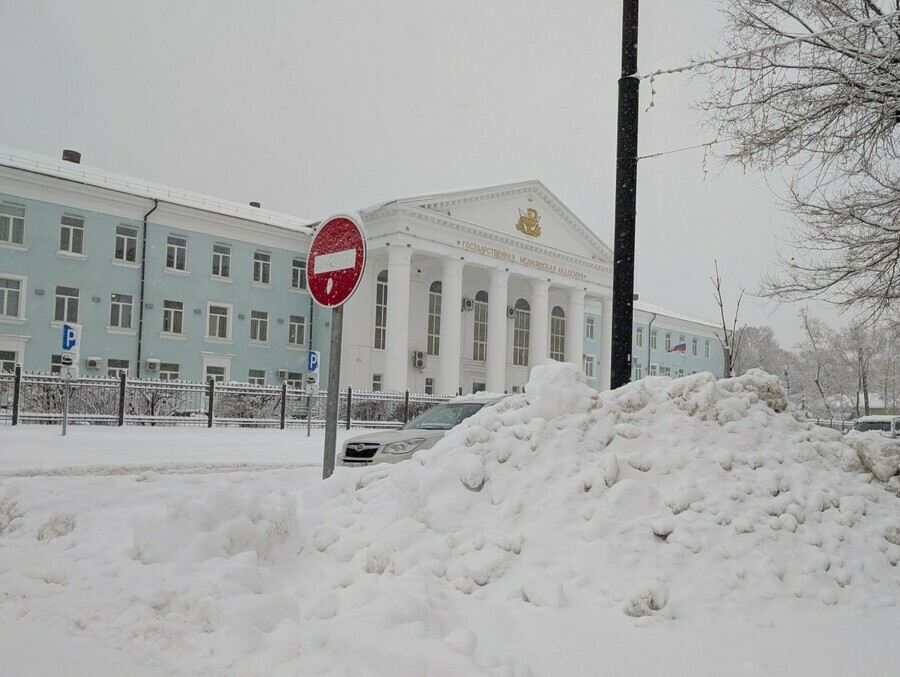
[116, 368]
[681, 373]
[66, 304]
[55, 364]
[169, 371]
[297, 330]
[7, 361]
[10, 297]
[668, 341]
[256, 377]
[12, 224]
[639, 337]
[694, 344]
[381, 291]
[521, 333]
[173, 317]
[216, 374]
[665, 371]
[652, 339]
[217, 326]
[298, 274]
[221, 263]
[126, 244]
[654, 370]
[176, 252]
[589, 363]
[261, 267]
[706, 350]
[479, 347]
[295, 380]
[638, 370]
[429, 386]
[71, 235]
[376, 383]
[589, 328]
[259, 326]
[433, 343]
[120, 310]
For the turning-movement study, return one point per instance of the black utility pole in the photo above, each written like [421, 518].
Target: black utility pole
[626, 199]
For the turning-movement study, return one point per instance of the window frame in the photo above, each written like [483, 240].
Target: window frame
[66, 303]
[71, 229]
[172, 314]
[176, 244]
[115, 367]
[166, 370]
[13, 223]
[695, 346]
[435, 301]
[298, 274]
[292, 330]
[117, 310]
[262, 268]
[706, 349]
[654, 340]
[589, 331]
[256, 377]
[377, 383]
[222, 261]
[21, 293]
[381, 310]
[639, 337]
[558, 334]
[589, 365]
[259, 326]
[480, 322]
[521, 333]
[668, 341]
[123, 239]
[229, 318]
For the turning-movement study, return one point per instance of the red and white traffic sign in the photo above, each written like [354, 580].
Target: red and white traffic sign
[336, 260]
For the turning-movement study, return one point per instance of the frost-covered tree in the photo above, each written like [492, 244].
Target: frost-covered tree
[826, 107]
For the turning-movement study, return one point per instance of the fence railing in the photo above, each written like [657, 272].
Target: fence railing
[37, 398]
[835, 423]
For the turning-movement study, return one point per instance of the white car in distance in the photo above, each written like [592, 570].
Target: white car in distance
[422, 432]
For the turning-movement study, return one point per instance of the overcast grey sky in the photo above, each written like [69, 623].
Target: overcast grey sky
[316, 106]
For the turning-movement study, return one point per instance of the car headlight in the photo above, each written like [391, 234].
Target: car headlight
[403, 447]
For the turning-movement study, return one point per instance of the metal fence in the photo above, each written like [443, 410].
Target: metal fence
[834, 423]
[37, 398]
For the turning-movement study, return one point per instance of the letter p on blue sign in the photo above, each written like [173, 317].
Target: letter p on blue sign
[71, 338]
[312, 362]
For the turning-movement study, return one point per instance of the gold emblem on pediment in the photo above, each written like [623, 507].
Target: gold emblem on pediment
[529, 222]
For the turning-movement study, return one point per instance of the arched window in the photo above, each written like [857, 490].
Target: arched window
[521, 329]
[479, 347]
[381, 299]
[558, 334]
[434, 318]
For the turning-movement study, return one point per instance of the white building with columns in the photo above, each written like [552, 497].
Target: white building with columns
[467, 290]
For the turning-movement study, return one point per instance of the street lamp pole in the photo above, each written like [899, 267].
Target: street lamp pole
[626, 199]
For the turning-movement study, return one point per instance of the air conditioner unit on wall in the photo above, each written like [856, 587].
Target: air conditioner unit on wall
[152, 365]
[282, 373]
[93, 362]
[510, 311]
[468, 304]
[418, 359]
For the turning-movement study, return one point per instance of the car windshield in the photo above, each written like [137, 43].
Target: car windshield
[866, 426]
[443, 416]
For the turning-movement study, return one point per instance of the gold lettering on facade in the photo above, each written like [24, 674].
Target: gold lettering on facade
[523, 260]
[529, 222]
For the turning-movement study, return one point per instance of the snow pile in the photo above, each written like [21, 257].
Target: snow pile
[553, 514]
[880, 455]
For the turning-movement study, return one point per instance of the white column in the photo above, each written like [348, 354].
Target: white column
[451, 327]
[575, 327]
[495, 366]
[397, 357]
[539, 327]
[605, 342]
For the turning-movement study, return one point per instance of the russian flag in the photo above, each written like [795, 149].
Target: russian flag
[680, 348]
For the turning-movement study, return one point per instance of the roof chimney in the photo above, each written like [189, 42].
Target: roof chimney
[72, 156]
[255, 204]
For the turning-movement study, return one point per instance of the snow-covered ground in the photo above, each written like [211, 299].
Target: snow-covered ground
[667, 528]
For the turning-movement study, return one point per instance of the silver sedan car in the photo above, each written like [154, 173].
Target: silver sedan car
[422, 432]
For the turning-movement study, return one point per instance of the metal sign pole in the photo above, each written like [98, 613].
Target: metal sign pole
[308, 412]
[334, 378]
[65, 406]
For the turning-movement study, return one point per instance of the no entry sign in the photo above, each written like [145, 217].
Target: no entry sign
[336, 260]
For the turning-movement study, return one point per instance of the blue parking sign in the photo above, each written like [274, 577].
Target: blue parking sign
[312, 361]
[71, 337]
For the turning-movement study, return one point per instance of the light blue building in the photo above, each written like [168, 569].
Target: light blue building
[463, 291]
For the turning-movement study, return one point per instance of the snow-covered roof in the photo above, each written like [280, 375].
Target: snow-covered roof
[657, 310]
[42, 164]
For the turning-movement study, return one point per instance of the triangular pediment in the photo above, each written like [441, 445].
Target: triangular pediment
[527, 211]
